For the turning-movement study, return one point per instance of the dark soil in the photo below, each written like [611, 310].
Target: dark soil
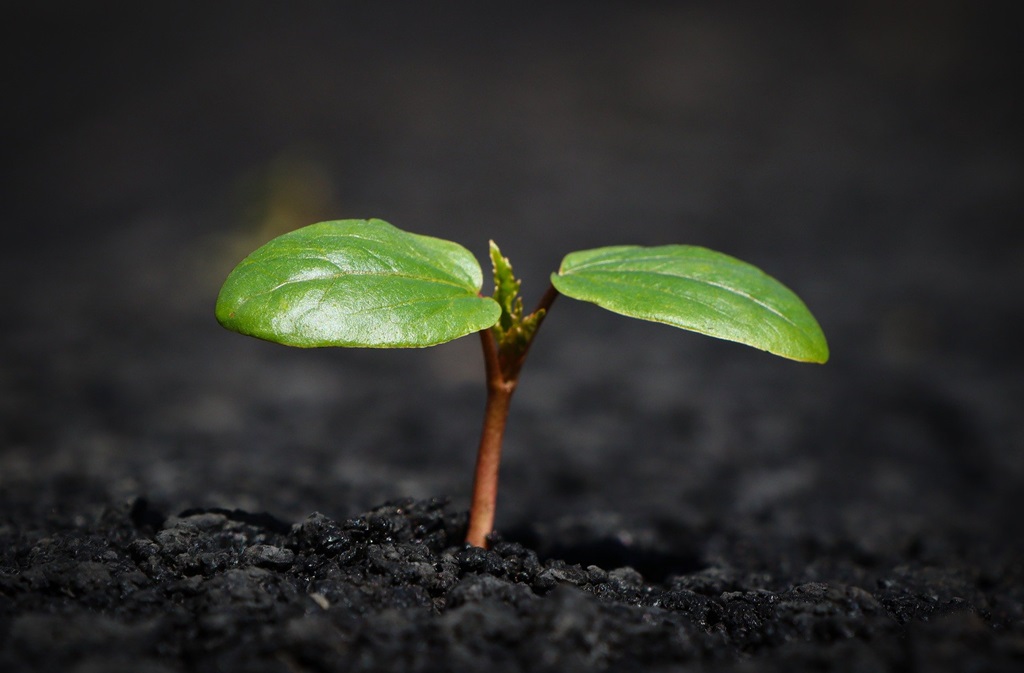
[174, 497]
[393, 589]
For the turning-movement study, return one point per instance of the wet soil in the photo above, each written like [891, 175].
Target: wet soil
[394, 589]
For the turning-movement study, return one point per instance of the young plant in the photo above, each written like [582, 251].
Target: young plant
[365, 283]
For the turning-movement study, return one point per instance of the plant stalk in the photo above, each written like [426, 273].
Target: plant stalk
[502, 371]
[488, 458]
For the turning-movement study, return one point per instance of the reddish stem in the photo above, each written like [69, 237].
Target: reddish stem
[502, 370]
[485, 483]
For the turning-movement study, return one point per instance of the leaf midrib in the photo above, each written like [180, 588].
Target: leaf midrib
[335, 277]
[606, 275]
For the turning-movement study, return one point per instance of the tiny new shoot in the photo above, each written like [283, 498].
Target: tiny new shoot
[365, 283]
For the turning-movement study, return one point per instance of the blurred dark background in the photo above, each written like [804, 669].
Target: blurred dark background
[867, 154]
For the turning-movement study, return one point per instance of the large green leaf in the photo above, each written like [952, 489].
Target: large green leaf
[695, 289]
[356, 283]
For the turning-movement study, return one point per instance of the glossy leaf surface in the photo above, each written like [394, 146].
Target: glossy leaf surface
[696, 289]
[356, 283]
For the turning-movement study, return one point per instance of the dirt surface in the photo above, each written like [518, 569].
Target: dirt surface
[174, 497]
[394, 589]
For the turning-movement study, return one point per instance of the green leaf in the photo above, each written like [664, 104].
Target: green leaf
[506, 290]
[356, 283]
[695, 289]
[513, 331]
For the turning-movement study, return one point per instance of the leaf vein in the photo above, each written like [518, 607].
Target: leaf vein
[768, 307]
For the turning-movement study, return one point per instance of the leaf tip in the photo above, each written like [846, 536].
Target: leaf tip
[817, 353]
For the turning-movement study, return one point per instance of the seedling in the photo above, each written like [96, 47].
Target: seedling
[365, 283]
